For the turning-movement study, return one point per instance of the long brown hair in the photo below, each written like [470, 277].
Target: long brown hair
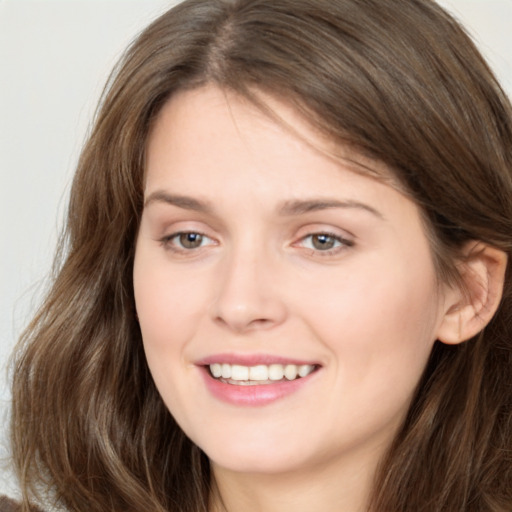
[400, 81]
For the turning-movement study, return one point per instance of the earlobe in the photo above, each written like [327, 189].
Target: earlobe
[474, 302]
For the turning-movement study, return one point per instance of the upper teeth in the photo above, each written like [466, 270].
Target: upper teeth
[260, 372]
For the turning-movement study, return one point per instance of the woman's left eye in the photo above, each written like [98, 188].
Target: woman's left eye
[324, 242]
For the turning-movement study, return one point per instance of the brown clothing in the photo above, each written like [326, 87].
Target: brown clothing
[9, 505]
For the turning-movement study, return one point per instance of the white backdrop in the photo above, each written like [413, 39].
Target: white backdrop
[55, 56]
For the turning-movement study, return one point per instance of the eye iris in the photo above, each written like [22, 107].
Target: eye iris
[323, 242]
[191, 240]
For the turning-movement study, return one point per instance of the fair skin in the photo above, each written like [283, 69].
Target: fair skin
[256, 248]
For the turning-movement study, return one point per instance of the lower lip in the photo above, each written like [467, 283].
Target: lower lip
[255, 396]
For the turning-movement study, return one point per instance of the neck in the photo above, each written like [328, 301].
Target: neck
[328, 488]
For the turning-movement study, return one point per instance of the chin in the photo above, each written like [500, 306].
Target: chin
[263, 454]
[257, 463]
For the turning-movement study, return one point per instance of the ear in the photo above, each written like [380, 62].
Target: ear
[471, 304]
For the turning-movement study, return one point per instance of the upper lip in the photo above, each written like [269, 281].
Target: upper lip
[252, 360]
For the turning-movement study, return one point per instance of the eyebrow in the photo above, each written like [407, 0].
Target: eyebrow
[289, 208]
[185, 202]
[299, 207]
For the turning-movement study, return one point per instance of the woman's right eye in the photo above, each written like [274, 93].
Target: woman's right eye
[186, 241]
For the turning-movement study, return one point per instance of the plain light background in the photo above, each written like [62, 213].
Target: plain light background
[55, 56]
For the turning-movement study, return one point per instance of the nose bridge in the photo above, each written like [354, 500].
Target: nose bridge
[247, 288]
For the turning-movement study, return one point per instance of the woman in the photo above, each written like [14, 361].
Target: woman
[285, 282]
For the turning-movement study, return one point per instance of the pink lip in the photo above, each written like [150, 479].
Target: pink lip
[258, 395]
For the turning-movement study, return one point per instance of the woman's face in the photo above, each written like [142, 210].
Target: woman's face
[259, 256]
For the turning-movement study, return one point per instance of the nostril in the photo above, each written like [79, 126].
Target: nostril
[243, 320]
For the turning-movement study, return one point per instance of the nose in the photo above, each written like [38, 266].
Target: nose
[248, 295]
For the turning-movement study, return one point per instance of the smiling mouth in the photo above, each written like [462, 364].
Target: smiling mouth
[258, 375]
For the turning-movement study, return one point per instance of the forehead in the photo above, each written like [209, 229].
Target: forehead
[202, 126]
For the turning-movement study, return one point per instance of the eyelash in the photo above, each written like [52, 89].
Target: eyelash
[342, 243]
[167, 241]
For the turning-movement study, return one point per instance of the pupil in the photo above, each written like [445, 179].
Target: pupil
[323, 242]
[190, 240]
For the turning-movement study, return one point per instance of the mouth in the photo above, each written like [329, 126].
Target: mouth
[258, 375]
[256, 379]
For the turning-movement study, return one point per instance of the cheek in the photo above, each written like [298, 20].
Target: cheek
[168, 301]
[165, 308]
[398, 299]
[380, 326]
